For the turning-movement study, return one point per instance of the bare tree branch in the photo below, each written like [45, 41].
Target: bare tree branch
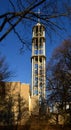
[12, 5]
[23, 14]
[25, 11]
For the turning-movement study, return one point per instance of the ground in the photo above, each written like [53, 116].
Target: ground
[37, 124]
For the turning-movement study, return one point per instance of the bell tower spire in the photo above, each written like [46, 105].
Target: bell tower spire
[38, 62]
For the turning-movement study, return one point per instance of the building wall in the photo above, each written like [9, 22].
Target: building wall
[33, 105]
[19, 93]
[25, 92]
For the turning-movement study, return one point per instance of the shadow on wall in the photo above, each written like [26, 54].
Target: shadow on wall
[13, 107]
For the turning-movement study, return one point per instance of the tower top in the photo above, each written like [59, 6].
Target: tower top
[38, 24]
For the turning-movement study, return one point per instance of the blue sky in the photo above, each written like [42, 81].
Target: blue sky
[21, 63]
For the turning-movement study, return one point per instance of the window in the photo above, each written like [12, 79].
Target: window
[40, 52]
[41, 84]
[36, 46]
[36, 72]
[41, 43]
[41, 30]
[40, 72]
[36, 59]
[35, 92]
[36, 30]
[40, 67]
[36, 84]
[36, 52]
[36, 79]
[40, 59]
[40, 79]
[36, 66]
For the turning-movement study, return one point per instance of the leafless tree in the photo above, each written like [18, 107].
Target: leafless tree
[5, 73]
[59, 78]
[6, 114]
[22, 111]
[22, 12]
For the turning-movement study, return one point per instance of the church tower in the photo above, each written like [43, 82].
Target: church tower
[38, 62]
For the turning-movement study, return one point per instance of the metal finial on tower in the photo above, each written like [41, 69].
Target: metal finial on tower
[38, 15]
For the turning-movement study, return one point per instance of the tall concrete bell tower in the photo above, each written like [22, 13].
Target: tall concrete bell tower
[38, 62]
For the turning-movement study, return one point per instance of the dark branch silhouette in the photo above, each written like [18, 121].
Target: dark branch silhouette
[24, 11]
[59, 80]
